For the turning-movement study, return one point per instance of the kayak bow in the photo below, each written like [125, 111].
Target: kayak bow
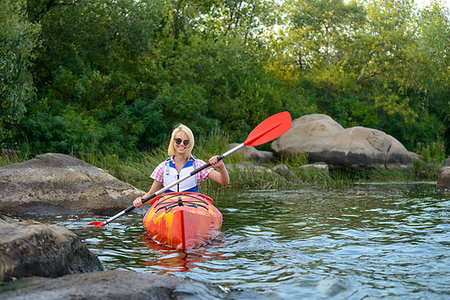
[182, 220]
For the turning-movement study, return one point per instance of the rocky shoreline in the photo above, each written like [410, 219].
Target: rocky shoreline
[113, 284]
[443, 183]
[30, 248]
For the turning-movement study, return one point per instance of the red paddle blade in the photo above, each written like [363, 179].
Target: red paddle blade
[269, 129]
[97, 223]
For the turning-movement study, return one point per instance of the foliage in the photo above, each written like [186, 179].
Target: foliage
[434, 151]
[365, 61]
[18, 38]
[116, 76]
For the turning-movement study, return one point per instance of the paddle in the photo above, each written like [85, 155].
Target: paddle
[267, 130]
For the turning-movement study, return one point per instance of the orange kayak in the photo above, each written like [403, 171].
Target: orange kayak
[182, 220]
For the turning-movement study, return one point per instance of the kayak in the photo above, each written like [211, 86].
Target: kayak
[182, 220]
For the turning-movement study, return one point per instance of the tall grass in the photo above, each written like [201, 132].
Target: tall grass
[12, 157]
[250, 176]
[325, 178]
[137, 168]
[432, 152]
[421, 171]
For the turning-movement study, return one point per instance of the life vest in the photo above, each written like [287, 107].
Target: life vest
[171, 175]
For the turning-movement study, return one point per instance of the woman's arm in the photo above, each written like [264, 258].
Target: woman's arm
[156, 186]
[222, 176]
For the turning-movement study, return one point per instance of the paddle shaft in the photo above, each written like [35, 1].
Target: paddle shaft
[159, 192]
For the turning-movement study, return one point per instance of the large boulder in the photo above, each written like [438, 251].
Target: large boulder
[60, 184]
[251, 153]
[327, 141]
[444, 177]
[113, 284]
[310, 133]
[29, 248]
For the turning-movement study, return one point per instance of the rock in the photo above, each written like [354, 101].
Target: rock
[310, 133]
[357, 147]
[447, 162]
[30, 248]
[284, 171]
[251, 153]
[318, 166]
[113, 284]
[249, 172]
[60, 184]
[415, 156]
[443, 183]
[245, 167]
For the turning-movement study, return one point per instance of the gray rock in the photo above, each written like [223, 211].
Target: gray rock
[246, 166]
[447, 162]
[30, 248]
[251, 153]
[284, 171]
[60, 184]
[105, 285]
[357, 147]
[310, 133]
[443, 183]
[318, 166]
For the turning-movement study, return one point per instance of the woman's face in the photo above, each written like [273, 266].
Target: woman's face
[181, 148]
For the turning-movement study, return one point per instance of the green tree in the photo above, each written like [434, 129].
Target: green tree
[432, 61]
[322, 50]
[87, 75]
[400, 53]
[18, 38]
[364, 63]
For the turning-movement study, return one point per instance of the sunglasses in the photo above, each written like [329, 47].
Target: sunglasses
[178, 141]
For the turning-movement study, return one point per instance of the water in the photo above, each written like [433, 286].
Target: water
[369, 241]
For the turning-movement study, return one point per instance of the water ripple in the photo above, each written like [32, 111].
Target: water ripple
[369, 241]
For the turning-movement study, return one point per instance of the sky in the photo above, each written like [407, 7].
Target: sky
[422, 3]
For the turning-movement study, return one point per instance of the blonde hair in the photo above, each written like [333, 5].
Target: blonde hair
[183, 128]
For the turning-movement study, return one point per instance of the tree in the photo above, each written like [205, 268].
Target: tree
[18, 38]
[87, 75]
[400, 53]
[322, 28]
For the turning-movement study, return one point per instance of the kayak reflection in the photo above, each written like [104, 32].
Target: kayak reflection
[171, 260]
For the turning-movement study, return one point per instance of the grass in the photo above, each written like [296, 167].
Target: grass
[421, 171]
[13, 157]
[136, 170]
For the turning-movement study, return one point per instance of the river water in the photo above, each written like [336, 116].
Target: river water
[386, 240]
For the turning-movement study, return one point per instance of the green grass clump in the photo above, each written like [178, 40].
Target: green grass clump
[421, 170]
[12, 157]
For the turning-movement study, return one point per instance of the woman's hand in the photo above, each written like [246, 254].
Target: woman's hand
[215, 162]
[138, 202]
[222, 176]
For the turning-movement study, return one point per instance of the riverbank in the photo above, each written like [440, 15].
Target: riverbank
[245, 175]
[136, 169]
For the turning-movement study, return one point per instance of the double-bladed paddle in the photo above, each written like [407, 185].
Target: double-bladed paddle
[266, 131]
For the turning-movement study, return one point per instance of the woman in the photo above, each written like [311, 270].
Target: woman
[180, 163]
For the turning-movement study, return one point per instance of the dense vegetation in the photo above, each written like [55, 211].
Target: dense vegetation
[114, 76]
